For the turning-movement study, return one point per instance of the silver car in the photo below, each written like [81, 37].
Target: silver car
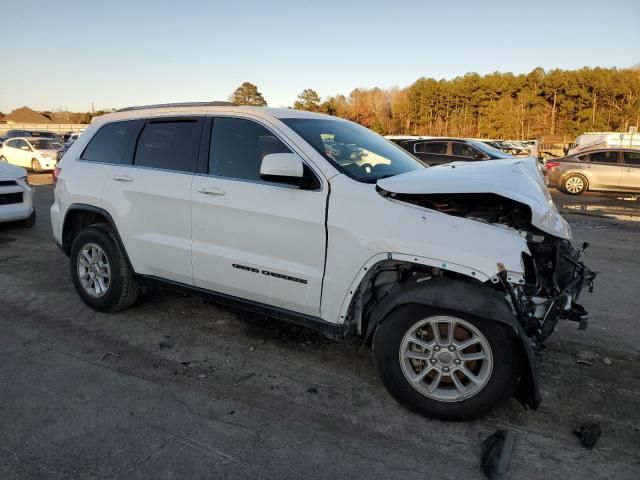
[608, 170]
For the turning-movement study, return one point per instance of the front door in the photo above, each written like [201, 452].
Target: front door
[252, 239]
[630, 179]
[604, 170]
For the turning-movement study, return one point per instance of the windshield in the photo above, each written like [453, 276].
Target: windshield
[489, 150]
[45, 144]
[357, 151]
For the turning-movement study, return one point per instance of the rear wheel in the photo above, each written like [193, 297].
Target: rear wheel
[446, 365]
[3, 159]
[35, 166]
[574, 184]
[100, 272]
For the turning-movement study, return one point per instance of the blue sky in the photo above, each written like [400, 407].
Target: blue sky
[116, 53]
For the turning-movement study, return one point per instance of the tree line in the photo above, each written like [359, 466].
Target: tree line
[540, 104]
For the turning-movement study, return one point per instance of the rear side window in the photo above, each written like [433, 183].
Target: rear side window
[238, 147]
[439, 148]
[604, 157]
[110, 142]
[632, 158]
[169, 145]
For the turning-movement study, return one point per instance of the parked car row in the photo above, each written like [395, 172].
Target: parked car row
[438, 151]
[33, 149]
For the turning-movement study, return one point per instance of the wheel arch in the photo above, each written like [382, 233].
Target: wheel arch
[471, 299]
[81, 215]
[580, 173]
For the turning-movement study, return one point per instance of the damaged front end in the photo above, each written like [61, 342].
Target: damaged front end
[511, 195]
[554, 272]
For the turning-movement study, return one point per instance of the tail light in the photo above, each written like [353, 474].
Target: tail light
[551, 165]
[56, 174]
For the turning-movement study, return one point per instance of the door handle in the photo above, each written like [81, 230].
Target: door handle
[211, 191]
[122, 178]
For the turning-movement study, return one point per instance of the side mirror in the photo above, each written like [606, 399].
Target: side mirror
[282, 167]
[478, 156]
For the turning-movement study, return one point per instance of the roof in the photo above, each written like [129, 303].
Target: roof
[25, 115]
[203, 109]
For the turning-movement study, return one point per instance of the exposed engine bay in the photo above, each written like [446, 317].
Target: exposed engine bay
[554, 274]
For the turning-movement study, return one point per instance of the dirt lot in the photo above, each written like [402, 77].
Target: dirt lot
[177, 388]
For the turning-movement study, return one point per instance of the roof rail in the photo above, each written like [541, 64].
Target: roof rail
[181, 104]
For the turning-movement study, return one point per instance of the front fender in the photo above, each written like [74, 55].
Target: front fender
[477, 300]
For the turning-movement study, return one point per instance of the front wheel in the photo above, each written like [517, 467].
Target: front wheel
[35, 166]
[3, 159]
[446, 365]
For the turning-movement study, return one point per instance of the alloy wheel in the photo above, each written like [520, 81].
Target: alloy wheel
[446, 358]
[94, 270]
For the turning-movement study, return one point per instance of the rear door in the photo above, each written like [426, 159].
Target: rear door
[150, 197]
[603, 169]
[435, 152]
[630, 179]
[256, 240]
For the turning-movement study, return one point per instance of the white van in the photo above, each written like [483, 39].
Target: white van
[591, 140]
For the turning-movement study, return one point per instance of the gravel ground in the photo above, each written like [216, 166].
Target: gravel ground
[178, 388]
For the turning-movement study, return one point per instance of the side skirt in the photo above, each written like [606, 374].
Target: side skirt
[329, 330]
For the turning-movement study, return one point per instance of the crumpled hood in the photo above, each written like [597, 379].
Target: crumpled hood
[11, 172]
[518, 179]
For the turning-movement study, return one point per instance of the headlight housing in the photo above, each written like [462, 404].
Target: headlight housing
[25, 179]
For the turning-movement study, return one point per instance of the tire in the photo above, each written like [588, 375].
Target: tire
[3, 159]
[35, 165]
[574, 184]
[117, 292]
[498, 373]
[30, 221]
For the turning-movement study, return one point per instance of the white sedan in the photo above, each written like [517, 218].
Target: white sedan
[38, 154]
[16, 196]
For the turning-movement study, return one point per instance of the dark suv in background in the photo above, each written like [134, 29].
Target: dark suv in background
[438, 151]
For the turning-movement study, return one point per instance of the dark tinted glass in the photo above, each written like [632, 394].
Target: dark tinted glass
[632, 158]
[604, 157]
[238, 146]
[168, 145]
[110, 142]
[464, 150]
[439, 148]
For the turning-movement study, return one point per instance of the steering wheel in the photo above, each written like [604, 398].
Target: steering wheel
[367, 167]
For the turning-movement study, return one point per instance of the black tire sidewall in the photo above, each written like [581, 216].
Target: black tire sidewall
[507, 365]
[100, 237]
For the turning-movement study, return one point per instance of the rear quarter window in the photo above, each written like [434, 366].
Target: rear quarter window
[109, 144]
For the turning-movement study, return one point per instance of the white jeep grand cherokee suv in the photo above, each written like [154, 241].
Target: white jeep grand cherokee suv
[453, 274]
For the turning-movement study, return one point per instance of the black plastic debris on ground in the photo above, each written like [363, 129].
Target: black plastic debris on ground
[496, 453]
[589, 433]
